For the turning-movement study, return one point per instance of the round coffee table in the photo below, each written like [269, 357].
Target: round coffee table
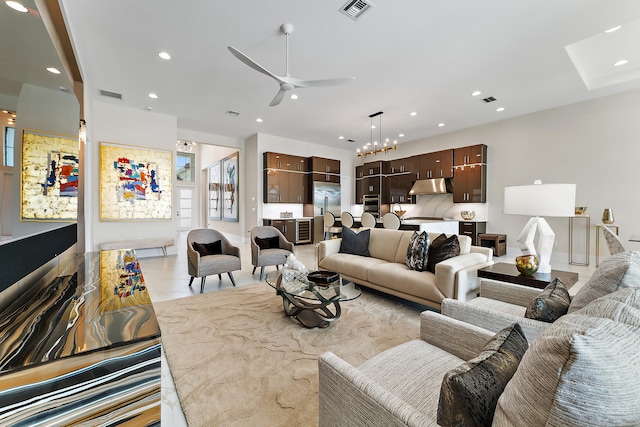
[314, 306]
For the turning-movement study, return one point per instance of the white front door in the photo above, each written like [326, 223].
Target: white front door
[186, 209]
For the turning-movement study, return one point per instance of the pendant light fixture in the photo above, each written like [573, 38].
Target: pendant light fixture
[372, 147]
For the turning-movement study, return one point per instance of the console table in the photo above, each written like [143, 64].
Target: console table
[506, 272]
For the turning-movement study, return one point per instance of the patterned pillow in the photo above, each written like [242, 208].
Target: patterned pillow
[469, 393]
[417, 251]
[613, 241]
[617, 271]
[205, 249]
[355, 243]
[552, 303]
[582, 370]
[442, 248]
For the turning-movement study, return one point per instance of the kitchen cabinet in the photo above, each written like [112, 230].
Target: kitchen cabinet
[285, 162]
[470, 184]
[285, 178]
[471, 155]
[324, 170]
[434, 165]
[404, 165]
[472, 229]
[286, 227]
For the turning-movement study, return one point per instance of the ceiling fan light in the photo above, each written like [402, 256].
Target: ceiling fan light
[16, 6]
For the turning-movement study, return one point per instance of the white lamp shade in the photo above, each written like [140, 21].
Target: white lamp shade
[540, 200]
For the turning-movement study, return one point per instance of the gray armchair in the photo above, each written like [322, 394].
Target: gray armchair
[214, 259]
[270, 253]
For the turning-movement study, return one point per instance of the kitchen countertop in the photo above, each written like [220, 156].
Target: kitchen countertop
[297, 217]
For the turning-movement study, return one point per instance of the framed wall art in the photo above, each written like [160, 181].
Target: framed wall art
[49, 177]
[215, 187]
[230, 188]
[135, 183]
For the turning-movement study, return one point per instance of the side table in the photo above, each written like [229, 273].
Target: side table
[506, 272]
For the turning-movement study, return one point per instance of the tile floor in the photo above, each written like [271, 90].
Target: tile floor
[167, 279]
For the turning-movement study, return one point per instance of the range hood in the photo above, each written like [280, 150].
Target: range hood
[432, 186]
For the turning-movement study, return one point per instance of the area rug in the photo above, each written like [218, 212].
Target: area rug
[237, 360]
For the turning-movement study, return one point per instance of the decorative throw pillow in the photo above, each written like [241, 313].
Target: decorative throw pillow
[355, 243]
[552, 303]
[442, 248]
[614, 244]
[582, 370]
[205, 249]
[617, 271]
[268, 242]
[469, 393]
[417, 251]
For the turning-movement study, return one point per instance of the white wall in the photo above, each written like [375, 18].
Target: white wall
[593, 144]
[109, 122]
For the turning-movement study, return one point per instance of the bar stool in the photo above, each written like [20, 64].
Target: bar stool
[329, 229]
[368, 220]
[346, 219]
[391, 220]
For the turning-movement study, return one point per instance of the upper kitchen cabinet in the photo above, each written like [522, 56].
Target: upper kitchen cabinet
[441, 164]
[470, 174]
[285, 178]
[324, 170]
[285, 162]
[474, 154]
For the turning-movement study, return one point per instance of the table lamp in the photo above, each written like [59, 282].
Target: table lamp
[539, 200]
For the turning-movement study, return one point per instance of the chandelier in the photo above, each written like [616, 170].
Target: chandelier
[373, 147]
[185, 146]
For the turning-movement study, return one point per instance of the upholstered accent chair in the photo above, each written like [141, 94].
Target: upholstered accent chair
[268, 247]
[209, 252]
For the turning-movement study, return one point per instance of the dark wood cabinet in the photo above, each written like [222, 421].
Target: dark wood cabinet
[324, 170]
[286, 227]
[470, 184]
[285, 178]
[471, 155]
[472, 229]
[441, 164]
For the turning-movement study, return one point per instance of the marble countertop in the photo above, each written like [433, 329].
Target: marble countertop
[101, 303]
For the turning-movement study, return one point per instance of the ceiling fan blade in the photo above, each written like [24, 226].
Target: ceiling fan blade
[251, 63]
[321, 83]
[278, 98]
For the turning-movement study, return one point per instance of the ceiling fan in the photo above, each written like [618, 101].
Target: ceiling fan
[287, 82]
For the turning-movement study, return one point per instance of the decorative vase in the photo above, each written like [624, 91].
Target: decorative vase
[607, 216]
[527, 264]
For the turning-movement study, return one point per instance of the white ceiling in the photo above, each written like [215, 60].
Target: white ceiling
[425, 56]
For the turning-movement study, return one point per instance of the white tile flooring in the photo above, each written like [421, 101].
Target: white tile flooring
[167, 279]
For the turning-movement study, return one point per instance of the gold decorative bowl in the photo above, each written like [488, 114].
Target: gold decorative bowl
[580, 210]
[468, 215]
[527, 264]
[400, 213]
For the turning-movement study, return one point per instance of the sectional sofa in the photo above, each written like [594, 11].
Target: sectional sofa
[385, 270]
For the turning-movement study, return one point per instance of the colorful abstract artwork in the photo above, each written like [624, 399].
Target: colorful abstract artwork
[135, 183]
[215, 207]
[121, 282]
[230, 188]
[49, 177]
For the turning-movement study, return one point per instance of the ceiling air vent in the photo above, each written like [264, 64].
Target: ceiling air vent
[110, 94]
[231, 113]
[355, 8]
[488, 99]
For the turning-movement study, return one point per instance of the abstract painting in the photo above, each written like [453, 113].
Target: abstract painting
[230, 188]
[215, 207]
[49, 177]
[121, 281]
[135, 183]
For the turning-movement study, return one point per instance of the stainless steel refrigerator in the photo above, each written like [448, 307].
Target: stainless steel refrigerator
[326, 198]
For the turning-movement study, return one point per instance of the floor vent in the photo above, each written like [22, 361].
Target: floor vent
[488, 99]
[231, 113]
[355, 8]
[110, 94]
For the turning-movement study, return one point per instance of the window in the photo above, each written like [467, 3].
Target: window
[7, 146]
[185, 167]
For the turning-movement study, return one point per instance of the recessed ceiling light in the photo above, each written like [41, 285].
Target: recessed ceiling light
[368, 143]
[440, 124]
[259, 120]
[53, 70]
[149, 108]
[153, 96]
[401, 135]
[620, 62]
[341, 137]
[611, 30]
[413, 113]
[164, 55]
[16, 6]
[500, 109]
[475, 93]
[294, 96]
[62, 89]
[373, 126]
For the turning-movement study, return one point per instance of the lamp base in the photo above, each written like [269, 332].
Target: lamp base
[543, 249]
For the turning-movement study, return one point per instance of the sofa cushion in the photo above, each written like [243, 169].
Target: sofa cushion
[582, 370]
[469, 393]
[409, 371]
[204, 249]
[617, 271]
[355, 243]
[442, 248]
[401, 278]
[383, 243]
[552, 303]
[353, 266]
[417, 251]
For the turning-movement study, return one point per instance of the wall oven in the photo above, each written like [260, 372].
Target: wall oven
[371, 205]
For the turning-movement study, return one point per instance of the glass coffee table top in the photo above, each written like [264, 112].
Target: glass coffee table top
[313, 305]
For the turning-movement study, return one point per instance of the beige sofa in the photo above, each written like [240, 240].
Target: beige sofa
[386, 271]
